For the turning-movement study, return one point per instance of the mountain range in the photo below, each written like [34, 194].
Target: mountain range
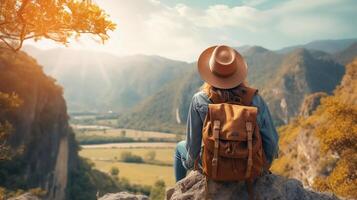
[153, 93]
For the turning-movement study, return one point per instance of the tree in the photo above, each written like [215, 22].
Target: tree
[123, 133]
[57, 20]
[150, 155]
[158, 190]
[114, 171]
[127, 156]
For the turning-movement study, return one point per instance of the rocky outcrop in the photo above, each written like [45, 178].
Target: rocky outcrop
[123, 196]
[40, 125]
[26, 196]
[267, 187]
[310, 103]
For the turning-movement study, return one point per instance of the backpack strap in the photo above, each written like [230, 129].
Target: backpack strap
[216, 129]
[249, 128]
[248, 94]
[244, 94]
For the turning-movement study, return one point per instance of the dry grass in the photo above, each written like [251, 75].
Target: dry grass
[146, 174]
[163, 155]
[143, 174]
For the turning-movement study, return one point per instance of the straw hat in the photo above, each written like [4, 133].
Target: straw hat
[222, 67]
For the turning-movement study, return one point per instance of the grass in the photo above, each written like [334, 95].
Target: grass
[163, 155]
[145, 174]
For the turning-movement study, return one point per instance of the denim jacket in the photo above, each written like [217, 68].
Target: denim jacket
[196, 116]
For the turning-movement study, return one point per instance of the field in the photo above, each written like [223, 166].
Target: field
[102, 134]
[104, 144]
[127, 133]
[140, 173]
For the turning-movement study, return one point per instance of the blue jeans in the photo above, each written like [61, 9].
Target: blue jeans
[180, 156]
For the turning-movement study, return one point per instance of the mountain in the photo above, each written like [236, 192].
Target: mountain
[99, 82]
[282, 80]
[153, 93]
[346, 56]
[165, 110]
[329, 46]
[321, 149]
[300, 73]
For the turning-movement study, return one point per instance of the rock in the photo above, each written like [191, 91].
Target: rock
[270, 186]
[40, 125]
[123, 196]
[310, 103]
[26, 196]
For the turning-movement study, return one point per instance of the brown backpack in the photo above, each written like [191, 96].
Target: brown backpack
[232, 145]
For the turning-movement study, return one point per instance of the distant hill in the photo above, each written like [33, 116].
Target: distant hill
[99, 82]
[329, 46]
[346, 55]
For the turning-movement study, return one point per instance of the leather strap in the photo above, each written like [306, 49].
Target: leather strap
[216, 129]
[248, 94]
[249, 128]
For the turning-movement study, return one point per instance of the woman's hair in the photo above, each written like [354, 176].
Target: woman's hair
[224, 94]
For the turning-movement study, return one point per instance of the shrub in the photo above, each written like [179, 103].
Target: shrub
[158, 190]
[127, 156]
[114, 171]
[150, 155]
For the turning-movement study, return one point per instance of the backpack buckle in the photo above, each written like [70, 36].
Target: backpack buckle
[249, 126]
[214, 161]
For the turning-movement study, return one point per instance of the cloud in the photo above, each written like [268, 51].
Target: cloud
[182, 32]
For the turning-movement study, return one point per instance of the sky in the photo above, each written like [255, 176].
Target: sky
[181, 30]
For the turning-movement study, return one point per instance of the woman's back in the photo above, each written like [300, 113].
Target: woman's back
[224, 71]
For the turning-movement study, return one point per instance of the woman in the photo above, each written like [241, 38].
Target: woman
[224, 71]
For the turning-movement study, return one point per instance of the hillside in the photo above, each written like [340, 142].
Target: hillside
[346, 55]
[165, 110]
[329, 46]
[320, 149]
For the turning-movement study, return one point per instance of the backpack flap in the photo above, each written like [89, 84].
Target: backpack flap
[232, 143]
[233, 134]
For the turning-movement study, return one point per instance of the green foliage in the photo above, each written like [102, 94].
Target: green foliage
[114, 171]
[127, 156]
[85, 182]
[12, 174]
[134, 188]
[158, 191]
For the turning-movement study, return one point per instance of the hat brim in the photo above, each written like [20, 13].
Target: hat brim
[217, 81]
